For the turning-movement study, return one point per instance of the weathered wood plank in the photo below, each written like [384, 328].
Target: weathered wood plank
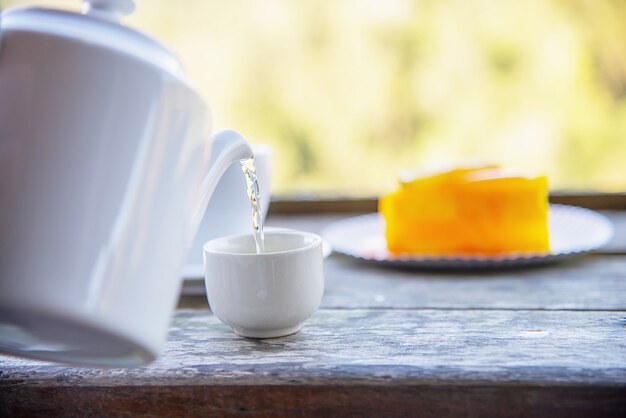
[314, 204]
[588, 283]
[387, 347]
[354, 363]
[315, 401]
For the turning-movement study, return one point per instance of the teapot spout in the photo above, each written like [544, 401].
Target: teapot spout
[227, 147]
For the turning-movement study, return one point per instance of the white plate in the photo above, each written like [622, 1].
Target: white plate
[573, 231]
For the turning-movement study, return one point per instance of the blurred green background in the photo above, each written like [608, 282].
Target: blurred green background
[349, 92]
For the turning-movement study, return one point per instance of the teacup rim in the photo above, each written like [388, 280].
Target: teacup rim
[317, 241]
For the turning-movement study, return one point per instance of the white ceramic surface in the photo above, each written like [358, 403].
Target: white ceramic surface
[236, 219]
[573, 231]
[269, 294]
[105, 171]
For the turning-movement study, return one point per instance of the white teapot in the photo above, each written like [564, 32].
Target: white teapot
[105, 172]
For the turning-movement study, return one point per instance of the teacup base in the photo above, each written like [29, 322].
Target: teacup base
[274, 333]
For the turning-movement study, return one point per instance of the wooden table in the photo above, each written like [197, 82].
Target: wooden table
[541, 342]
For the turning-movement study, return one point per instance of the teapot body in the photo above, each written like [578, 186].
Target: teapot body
[102, 155]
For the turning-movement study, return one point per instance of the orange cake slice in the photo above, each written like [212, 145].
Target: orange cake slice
[469, 210]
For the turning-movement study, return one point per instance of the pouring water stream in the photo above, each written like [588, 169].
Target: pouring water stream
[252, 189]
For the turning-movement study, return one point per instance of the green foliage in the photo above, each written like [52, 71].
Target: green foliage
[349, 92]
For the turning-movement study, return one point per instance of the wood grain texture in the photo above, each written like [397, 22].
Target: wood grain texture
[587, 283]
[389, 347]
[353, 363]
[307, 204]
[315, 401]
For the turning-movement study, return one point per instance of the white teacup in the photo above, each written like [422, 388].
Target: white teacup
[269, 294]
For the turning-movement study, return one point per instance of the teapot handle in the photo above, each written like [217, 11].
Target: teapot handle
[227, 147]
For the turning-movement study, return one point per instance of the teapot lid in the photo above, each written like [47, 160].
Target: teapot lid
[99, 23]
